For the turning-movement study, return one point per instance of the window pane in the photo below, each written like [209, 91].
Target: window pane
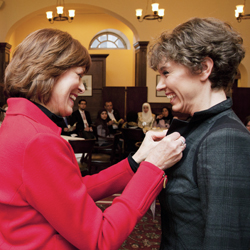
[111, 45]
[103, 45]
[95, 44]
[112, 38]
[120, 44]
[103, 38]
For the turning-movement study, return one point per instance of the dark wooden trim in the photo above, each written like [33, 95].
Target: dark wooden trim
[141, 63]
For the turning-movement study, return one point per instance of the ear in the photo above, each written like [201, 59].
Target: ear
[207, 66]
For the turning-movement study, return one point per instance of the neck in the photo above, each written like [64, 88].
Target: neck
[207, 101]
[217, 97]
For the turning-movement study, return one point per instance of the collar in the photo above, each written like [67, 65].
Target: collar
[55, 118]
[36, 112]
[199, 117]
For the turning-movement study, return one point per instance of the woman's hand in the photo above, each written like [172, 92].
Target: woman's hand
[159, 116]
[151, 139]
[167, 152]
[161, 150]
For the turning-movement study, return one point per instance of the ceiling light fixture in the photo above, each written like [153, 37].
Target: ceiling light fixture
[60, 16]
[239, 12]
[157, 13]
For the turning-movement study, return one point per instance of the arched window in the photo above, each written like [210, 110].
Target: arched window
[108, 40]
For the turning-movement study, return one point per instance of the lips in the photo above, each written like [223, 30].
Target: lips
[73, 97]
[171, 96]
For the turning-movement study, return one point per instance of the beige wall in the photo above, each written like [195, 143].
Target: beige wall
[18, 18]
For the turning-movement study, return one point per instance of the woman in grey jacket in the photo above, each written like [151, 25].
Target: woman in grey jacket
[206, 204]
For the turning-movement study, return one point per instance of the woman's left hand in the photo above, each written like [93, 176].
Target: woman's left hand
[151, 139]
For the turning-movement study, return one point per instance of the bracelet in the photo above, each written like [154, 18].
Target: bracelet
[165, 180]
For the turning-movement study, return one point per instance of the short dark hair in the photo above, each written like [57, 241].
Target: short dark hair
[82, 100]
[191, 42]
[107, 101]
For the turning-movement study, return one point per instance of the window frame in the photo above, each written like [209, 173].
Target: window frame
[107, 33]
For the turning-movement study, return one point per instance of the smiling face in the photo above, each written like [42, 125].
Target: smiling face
[65, 92]
[184, 89]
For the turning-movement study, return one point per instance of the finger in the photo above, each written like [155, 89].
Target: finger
[174, 136]
[182, 140]
[156, 135]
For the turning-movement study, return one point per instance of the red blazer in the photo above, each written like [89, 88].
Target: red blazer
[44, 201]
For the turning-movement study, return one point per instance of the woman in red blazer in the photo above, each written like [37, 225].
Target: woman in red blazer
[45, 203]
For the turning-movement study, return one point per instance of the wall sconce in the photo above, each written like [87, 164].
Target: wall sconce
[239, 13]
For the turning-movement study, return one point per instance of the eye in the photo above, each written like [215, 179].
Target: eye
[165, 72]
[80, 75]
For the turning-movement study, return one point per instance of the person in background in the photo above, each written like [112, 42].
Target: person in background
[66, 128]
[206, 204]
[114, 119]
[247, 123]
[45, 203]
[131, 120]
[146, 118]
[131, 140]
[164, 119]
[82, 120]
[101, 124]
[3, 113]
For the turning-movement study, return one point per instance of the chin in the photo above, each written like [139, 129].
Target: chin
[67, 112]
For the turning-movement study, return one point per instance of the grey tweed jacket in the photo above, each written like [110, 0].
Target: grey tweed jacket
[206, 204]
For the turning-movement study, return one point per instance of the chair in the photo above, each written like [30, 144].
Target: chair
[105, 156]
[85, 147]
[107, 140]
[132, 137]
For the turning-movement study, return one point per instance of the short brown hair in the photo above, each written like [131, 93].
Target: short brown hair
[191, 42]
[39, 61]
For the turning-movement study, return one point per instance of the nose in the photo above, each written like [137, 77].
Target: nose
[81, 87]
[161, 84]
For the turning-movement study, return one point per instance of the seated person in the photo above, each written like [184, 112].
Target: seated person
[132, 120]
[81, 118]
[146, 118]
[102, 129]
[66, 128]
[164, 119]
[114, 119]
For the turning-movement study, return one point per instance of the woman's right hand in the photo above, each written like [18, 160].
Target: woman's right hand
[167, 152]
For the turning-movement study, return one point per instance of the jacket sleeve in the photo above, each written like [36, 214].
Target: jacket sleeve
[54, 187]
[223, 176]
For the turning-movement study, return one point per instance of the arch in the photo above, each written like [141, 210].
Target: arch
[79, 7]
